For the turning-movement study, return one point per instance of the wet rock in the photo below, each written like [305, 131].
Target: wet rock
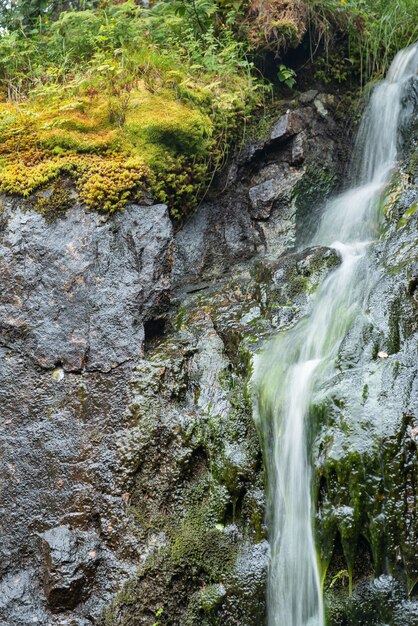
[19, 605]
[76, 291]
[205, 371]
[320, 107]
[298, 148]
[211, 597]
[408, 129]
[246, 155]
[324, 103]
[262, 197]
[154, 451]
[75, 295]
[254, 505]
[234, 467]
[218, 235]
[288, 125]
[293, 277]
[70, 561]
[266, 193]
[308, 96]
[378, 601]
[272, 189]
[245, 604]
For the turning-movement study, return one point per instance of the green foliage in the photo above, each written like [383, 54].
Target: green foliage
[335, 69]
[287, 76]
[170, 87]
[376, 30]
[342, 575]
[158, 613]
[23, 14]
[77, 34]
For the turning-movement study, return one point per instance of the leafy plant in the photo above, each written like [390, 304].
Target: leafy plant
[342, 576]
[375, 30]
[287, 76]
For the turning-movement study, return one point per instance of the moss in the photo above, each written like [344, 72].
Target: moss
[408, 214]
[206, 549]
[41, 144]
[254, 508]
[313, 188]
[399, 183]
[364, 522]
[55, 203]
[365, 392]
[200, 554]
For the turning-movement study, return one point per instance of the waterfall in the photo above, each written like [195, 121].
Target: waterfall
[296, 362]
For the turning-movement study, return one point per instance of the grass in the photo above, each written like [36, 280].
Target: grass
[375, 30]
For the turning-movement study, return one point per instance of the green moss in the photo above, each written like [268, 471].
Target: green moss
[199, 541]
[156, 110]
[365, 392]
[211, 597]
[55, 202]
[316, 184]
[313, 188]
[364, 524]
[409, 213]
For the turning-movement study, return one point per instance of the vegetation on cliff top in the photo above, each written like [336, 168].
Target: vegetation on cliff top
[124, 100]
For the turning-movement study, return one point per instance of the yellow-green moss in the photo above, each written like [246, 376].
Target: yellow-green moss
[54, 203]
[109, 165]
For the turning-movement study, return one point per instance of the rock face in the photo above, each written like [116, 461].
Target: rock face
[75, 297]
[76, 293]
[70, 562]
[132, 488]
[271, 194]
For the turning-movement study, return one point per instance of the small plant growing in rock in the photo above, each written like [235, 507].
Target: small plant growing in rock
[158, 613]
[287, 76]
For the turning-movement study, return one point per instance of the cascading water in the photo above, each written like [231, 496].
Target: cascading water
[301, 360]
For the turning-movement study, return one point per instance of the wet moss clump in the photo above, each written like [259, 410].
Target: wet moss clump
[200, 541]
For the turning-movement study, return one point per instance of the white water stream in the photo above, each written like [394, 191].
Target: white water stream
[296, 362]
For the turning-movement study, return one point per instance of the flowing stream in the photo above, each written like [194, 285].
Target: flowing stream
[298, 361]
